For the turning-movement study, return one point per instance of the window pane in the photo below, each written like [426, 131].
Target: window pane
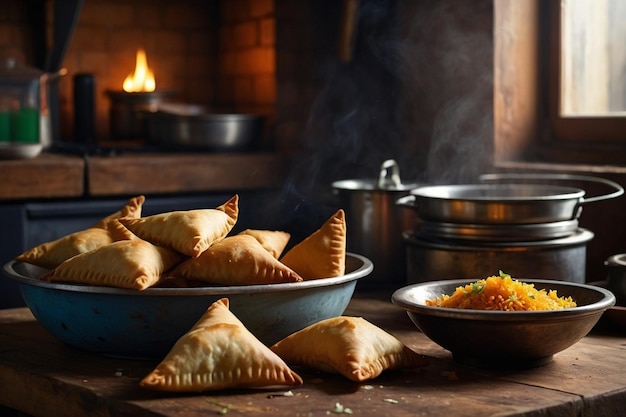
[593, 58]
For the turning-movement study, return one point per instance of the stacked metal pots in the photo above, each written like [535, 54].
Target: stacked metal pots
[524, 229]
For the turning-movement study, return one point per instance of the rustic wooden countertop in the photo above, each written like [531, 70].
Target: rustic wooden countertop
[46, 176]
[42, 377]
[170, 173]
[64, 176]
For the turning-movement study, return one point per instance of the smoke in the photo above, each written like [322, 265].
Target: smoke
[446, 64]
[333, 147]
[459, 150]
[419, 90]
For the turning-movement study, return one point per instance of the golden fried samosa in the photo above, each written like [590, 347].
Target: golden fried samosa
[189, 232]
[219, 353]
[350, 346]
[323, 253]
[274, 241]
[235, 260]
[108, 230]
[134, 264]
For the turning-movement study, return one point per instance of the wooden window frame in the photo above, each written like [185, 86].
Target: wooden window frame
[527, 125]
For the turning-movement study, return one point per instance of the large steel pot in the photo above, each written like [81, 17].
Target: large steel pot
[561, 259]
[180, 125]
[376, 222]
[505, 203]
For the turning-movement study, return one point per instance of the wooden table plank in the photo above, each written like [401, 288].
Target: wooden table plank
[133, 174]
[60, 176]
[46, 176]
[41, 374]
[581, 370]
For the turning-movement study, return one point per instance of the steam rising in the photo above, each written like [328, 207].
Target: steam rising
[419, 91]
[446, 53]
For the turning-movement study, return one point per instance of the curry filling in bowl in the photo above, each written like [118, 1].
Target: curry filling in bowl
[501, 292]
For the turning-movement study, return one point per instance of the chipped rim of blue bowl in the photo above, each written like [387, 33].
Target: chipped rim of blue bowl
[357, 265]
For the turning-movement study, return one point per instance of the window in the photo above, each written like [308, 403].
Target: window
[559, 81]
[593, 58]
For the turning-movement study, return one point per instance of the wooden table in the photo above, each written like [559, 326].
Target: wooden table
[42, 377]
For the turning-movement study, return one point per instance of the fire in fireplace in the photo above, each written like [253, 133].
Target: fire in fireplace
[142, 80]
[138, 94]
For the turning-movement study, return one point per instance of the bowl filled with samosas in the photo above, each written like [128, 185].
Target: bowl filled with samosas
[131, 286]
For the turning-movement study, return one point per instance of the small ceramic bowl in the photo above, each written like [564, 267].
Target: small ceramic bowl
[19, 150]
[504, 339]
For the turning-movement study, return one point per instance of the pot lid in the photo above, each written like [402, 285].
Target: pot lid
[498, 192]
[388, 180]
[12, 71]
[617, 261]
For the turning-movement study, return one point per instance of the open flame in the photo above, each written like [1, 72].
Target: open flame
[142, 80]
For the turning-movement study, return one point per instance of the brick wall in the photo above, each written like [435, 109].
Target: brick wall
[218, 53]
[246, 71]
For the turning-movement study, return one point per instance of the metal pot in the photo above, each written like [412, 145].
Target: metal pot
[560, 259]
[125, 113]
[616, 276]
[498, 232]
[510, 203]
[376, 222]
[194, 126]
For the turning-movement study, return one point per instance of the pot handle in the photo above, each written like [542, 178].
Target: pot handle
[618, 189]
[406, 201]
[389, 174]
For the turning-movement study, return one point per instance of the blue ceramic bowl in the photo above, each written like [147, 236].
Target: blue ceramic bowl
[146, 324]
[504, 339]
